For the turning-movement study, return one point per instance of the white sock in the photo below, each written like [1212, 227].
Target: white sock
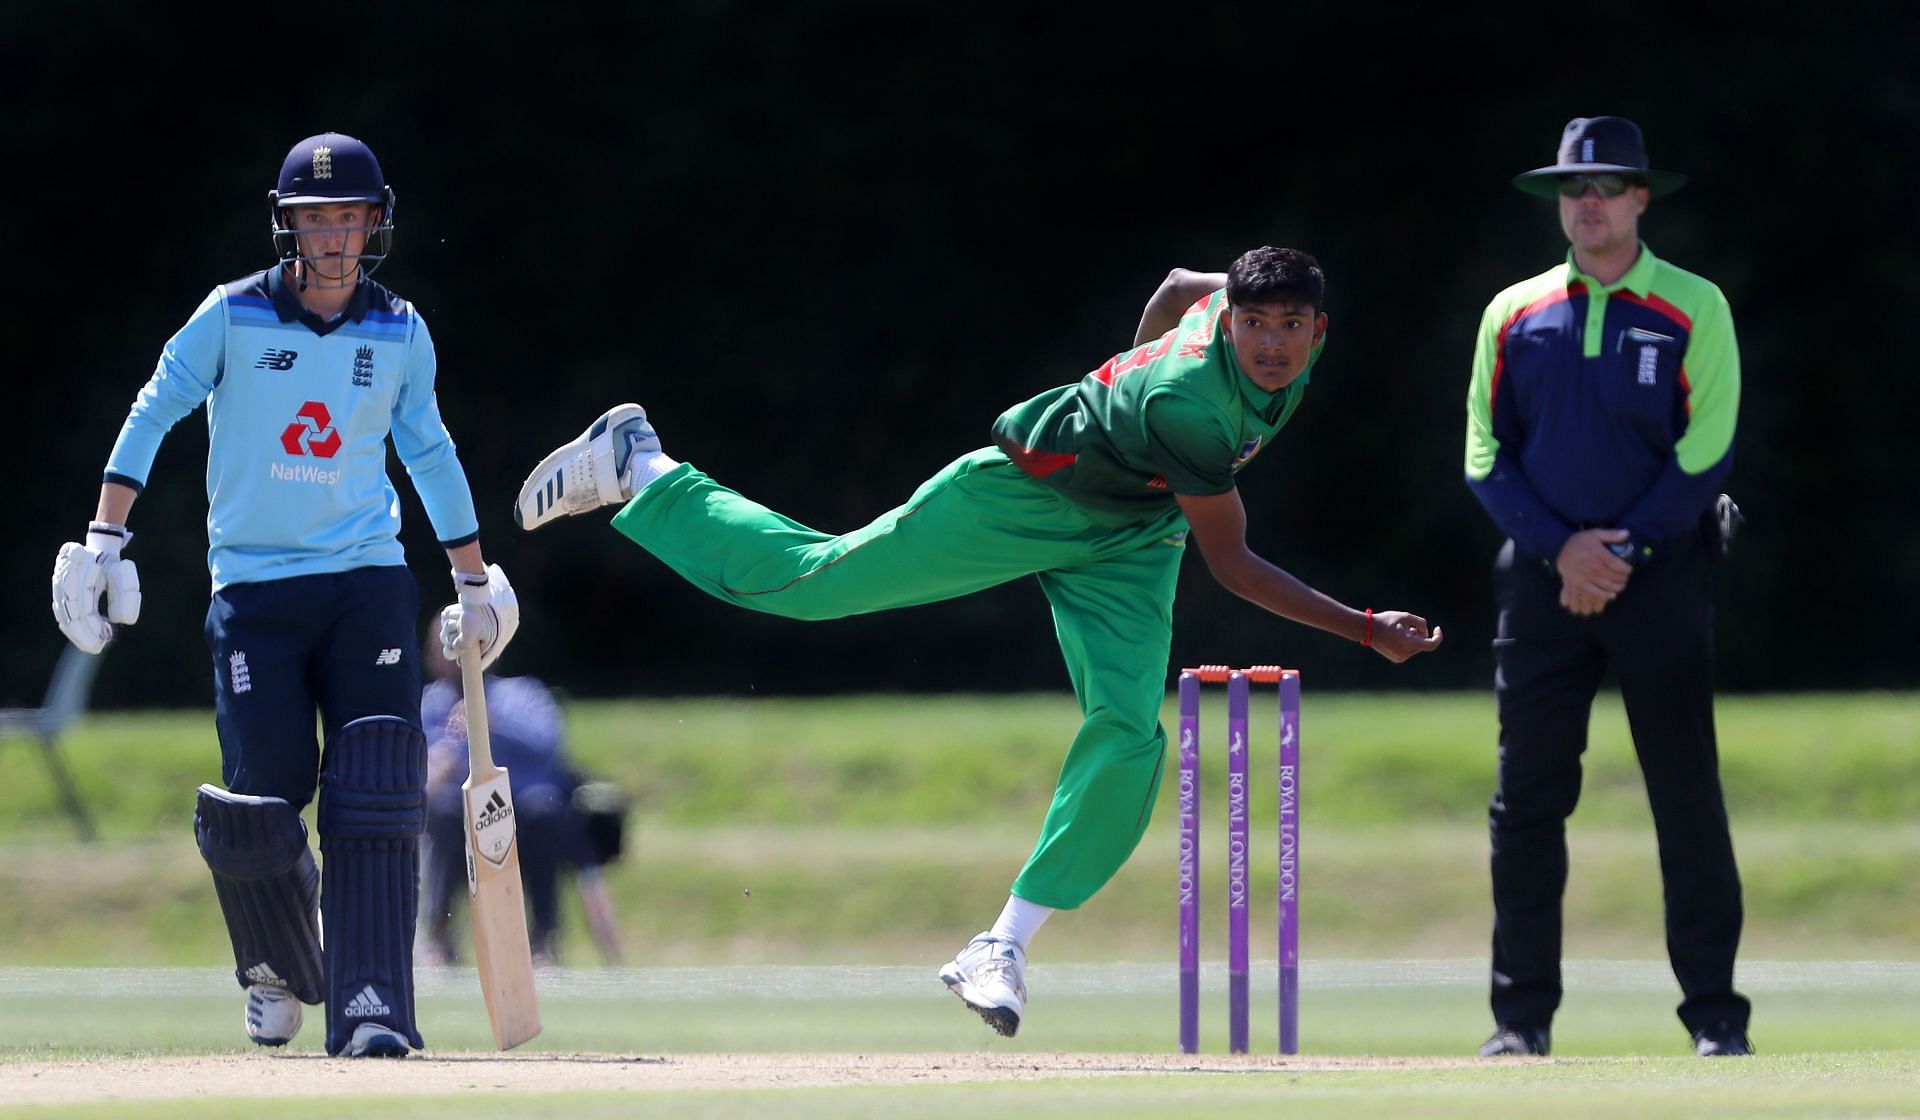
[1021, 920]
[642, 471]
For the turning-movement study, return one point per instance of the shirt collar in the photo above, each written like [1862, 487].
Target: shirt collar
[1638, 279]
[286, 303]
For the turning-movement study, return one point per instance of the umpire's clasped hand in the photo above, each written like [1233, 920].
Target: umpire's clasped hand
[1591, 576]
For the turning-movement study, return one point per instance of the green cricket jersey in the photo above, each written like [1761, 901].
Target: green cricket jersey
[1099, 531]
[1173, 416]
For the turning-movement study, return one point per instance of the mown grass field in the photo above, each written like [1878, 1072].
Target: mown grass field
[1836, 1047]
[877, 833]
[787, 830]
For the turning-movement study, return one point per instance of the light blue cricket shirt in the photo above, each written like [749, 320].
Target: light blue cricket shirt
[298, 415]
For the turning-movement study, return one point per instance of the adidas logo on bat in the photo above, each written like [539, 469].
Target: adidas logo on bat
[495, 811]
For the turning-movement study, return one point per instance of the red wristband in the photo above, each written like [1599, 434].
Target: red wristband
[1368, 640]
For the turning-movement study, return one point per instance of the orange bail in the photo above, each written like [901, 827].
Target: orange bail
[1258, 674]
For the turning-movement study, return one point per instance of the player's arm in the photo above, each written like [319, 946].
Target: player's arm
[116, 502]
[1219, 527]
[487, 613]
[91, 569]
[1703, 456]
[86, 570]
[467, 558]
[1176, 293]
[1590, 574]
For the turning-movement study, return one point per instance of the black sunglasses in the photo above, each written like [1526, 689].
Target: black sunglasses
[1608, 185]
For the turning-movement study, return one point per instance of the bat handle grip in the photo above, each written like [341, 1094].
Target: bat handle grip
[479, 735]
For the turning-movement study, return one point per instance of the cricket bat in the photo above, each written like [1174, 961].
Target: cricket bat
[500, 948]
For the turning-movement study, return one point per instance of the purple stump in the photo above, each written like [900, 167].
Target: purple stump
[1189, 873]
[1289, 871]
[1237, 843]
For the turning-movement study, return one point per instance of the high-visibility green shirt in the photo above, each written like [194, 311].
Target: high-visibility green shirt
[1602, 404]
[1173, 416]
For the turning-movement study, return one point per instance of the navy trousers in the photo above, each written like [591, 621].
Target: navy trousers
[1657, 638]
[344, 644]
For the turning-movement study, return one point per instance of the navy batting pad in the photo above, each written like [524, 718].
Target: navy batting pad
[268, 886]
[372, 812]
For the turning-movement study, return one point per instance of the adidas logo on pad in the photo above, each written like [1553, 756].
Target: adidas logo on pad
[263, 973]
[366, 1005]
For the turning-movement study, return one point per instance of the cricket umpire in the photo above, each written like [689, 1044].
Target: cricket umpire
[1600, 424]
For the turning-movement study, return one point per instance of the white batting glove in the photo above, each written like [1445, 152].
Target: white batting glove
[485, 618]
[82, 573]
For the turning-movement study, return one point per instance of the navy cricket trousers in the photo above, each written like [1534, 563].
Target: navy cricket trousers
[1657, 638]
[343, 644]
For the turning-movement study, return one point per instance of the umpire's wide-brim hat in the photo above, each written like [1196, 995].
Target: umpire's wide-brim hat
[1598, 146]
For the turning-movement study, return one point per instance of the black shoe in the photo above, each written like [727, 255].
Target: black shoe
[1516, 1042]
[1721, 1040]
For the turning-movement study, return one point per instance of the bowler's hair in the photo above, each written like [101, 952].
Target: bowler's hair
[1270, 275]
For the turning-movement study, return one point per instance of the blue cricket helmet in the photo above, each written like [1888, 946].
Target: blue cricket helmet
[329, 168]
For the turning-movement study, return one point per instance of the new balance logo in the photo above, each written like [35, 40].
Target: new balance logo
[388, 657]
[366, 1005]
[277, 359]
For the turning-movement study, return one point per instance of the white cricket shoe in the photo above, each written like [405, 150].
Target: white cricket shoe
[371, 1040]
[273, 1015]
[989, 976]
[589, 472]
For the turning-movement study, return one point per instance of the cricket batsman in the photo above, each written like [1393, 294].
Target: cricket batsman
[306, 370]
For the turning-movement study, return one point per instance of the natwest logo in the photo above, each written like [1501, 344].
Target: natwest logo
[313, 433]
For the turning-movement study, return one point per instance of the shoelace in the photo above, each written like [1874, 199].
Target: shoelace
[581, 488]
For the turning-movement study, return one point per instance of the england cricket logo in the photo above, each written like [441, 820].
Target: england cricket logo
[323, 163]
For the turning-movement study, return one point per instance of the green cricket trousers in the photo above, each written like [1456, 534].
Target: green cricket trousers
[980, 522]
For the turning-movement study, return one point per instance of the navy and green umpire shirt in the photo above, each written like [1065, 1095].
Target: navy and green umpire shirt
[1597, 405]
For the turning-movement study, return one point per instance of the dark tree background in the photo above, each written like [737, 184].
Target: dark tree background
[825, 244]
